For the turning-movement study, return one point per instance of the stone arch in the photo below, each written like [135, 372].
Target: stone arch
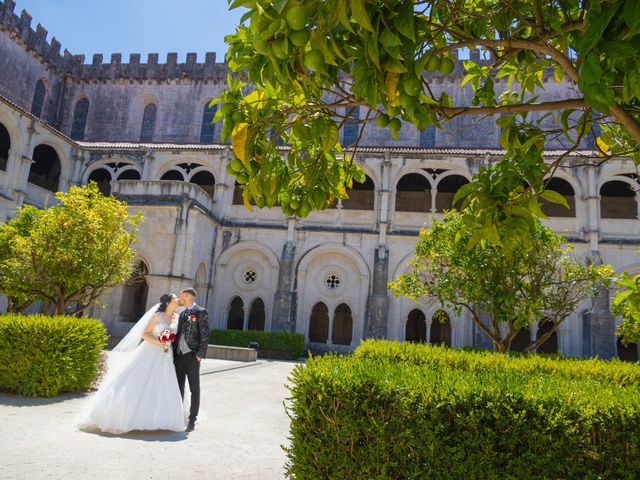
[522, 340]
[174, 175]
[564, 188]
[342, 325]
[46, 168]
[204, 179]
[550, 345]
[319, 323]
[338, 249]
[103, 178]
[446, 188]
[5, 147]
[362, 196]
[79, 122]
[129, 174]
[440, 331]
[200, 279]
[39, 94]
[413, 193]
[257, 315]
[618, 198]
[416, 326]
[235, 315]
[148, 125]
[248, 245]
[135, 293]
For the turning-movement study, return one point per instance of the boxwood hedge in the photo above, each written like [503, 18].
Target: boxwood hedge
[368, 418]
[45, 356]
[290, 343]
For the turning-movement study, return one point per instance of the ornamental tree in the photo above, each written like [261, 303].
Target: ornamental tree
[68, 254]
[536, 284]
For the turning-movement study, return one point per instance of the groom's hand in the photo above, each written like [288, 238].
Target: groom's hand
[198, 358]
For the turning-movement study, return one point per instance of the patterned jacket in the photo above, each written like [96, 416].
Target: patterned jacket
[193, 323]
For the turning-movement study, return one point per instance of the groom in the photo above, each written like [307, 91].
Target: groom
[189, 348]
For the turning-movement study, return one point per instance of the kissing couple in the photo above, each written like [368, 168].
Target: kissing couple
[144, 387]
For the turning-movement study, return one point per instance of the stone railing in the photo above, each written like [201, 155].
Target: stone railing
[157, 192]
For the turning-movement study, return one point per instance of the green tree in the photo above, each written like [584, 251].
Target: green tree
[536, 284]
[68, 254]
[627, 304]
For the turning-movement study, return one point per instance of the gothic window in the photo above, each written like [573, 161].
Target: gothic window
[428, 137]
[103, 178]
[440, 329]
[148, 122]
[80, 113]
[208, 128]
[205, 180]
[129, 175]
[5, 146]
[173, 175]
[550, 345]
[342, 325]
[566, 190]
[416, 329]
[235, 318]
[38, 99]
[257, 315]
[521, 341]
[413, 194]
[446, 190]
[319, 323]
[617, 200]
[333, 282]
[361, 196]
[135, 294]
[249, 276]
[45, 171]
[351, 128]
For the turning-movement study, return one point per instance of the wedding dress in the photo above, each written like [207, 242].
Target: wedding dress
[140, 390]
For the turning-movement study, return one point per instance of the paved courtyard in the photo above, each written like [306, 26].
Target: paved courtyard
[240, 438]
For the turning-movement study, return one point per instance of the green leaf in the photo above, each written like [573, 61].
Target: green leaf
[360, 15]
[554, 197]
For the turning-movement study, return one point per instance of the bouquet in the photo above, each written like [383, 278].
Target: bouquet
[166, 336]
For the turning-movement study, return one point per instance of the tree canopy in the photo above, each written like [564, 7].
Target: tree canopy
[68, 254]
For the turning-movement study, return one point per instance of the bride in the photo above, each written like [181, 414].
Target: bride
[140, 390]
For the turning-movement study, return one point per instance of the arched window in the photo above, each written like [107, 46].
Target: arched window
[205, 180]
[129, 175]
[446, 190]
[45, 171]
[201, 279]
[257, 315]
[208, 129]
[38, 99]
[173, 175]
[629, 352]
[351, 128]
[342, 325]
[565, 189]
[617, 200]
[416, 328]
[235, 319]
[550, 345]
[413, 194]
[440, 329]
[428, 137]
[521, 341]
[135, 294]
[80, 113]
[5, 146]
[103, 178]
[361, 196]
[319, 323]
[148, 122]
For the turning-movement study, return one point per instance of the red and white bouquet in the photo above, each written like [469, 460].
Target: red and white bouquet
[166, 336]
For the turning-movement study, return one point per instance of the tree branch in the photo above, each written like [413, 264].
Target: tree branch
[523, 107]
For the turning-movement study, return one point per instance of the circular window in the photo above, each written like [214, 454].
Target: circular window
[333, 282]
[249, 276]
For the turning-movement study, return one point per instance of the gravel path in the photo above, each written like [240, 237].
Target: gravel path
[240, 438]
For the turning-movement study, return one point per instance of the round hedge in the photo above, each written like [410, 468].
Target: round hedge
[44, 356]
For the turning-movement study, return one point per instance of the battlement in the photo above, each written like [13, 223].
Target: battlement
[20, 28]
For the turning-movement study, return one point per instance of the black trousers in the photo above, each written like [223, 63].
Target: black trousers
[187, 366]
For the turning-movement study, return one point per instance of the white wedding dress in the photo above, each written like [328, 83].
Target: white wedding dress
[140, 392]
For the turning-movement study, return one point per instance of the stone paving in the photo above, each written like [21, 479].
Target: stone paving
[240, 438]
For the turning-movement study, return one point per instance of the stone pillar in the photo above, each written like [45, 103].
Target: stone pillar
[599, 335]
[378, 303]
[283, 320]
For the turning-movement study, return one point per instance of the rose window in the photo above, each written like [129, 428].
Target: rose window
[333, 282]
[250, 276]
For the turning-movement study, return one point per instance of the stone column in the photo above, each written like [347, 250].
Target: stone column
[378, 303]
[282, 317]
[599, 335]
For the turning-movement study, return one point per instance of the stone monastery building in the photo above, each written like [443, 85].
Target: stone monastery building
[141, 128]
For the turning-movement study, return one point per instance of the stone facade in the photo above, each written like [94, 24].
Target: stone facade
[324, 276]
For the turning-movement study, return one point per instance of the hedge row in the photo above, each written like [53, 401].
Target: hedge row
[615, 371]
[360, 418]
[45, 356]
[290, 343]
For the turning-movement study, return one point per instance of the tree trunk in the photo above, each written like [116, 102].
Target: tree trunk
[60, 306]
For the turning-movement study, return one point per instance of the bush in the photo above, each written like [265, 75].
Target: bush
[431, 356]
[290, 343]
[363, 418]
[45, 356]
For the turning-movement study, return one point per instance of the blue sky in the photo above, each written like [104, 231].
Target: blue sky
[135, 26]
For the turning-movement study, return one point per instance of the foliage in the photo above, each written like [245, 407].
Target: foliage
[311, 62]
[536, 283]
[45, 356]
[68, 254]
[435, 357]
[627, 304]
[364, 418]
[291, 343]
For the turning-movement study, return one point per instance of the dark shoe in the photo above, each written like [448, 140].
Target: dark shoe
[190, 427]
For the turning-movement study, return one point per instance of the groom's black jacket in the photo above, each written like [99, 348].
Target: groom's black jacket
[193, 323]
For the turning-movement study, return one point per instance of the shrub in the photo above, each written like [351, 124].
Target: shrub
[290, 343]
[360, 418]
[431, 356]
[45, 356]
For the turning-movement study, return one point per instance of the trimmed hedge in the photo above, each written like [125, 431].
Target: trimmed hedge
[363, 418]
[44, 356]
[290, 343]
[432, 356]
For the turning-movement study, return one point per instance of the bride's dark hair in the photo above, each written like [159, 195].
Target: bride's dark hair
[164, 301]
